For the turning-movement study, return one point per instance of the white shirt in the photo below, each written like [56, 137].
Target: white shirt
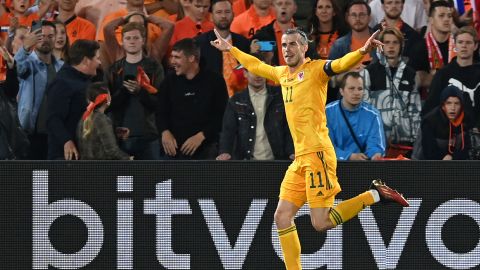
[261, 149]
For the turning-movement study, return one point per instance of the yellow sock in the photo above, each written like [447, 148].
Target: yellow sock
[350, 208]
[290, 247]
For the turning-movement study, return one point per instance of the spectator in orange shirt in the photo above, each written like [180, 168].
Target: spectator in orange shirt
[258, 15]
[96, 10]
[77, 28]
[18, 15]
[193, 24]
[132, 6]
[183, 9]
[161, 8]
[240, 6]
[284, 10]
[156, 50]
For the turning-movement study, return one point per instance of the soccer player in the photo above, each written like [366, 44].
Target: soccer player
[312, 175]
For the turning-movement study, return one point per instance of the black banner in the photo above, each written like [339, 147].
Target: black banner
[219, 215]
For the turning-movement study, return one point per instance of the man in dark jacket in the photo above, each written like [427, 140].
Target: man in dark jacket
[255, 123]
[67, 101]
[215, 60]
[192, 102]
[134, 105]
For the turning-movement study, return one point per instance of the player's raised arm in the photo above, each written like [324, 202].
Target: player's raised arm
[252, 64]
[351, 59]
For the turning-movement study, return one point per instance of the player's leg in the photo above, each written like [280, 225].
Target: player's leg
[348, 209]
[287, 233]
[323, 186]
[292, 197]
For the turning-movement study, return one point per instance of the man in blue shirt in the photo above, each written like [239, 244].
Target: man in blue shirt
[36, 68]
[355, 127]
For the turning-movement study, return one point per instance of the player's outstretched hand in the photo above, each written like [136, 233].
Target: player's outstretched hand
[220, 43]
[372, 43]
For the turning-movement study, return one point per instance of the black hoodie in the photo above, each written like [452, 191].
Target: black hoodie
[439, 136]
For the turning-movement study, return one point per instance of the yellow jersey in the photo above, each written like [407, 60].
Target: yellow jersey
[304, 95]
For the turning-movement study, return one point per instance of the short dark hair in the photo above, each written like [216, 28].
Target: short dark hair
[80, 49]
[440, 3]
[134, 26]
[49, 23]
[303, 37]
[352, 74]
[358, 2]
[214, 2]
[188, 46]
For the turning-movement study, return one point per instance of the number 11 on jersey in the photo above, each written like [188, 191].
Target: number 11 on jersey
[288, 94]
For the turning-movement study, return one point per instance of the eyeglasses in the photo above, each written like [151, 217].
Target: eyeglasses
[358, 16]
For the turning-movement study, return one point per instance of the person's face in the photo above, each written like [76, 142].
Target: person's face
[46, 43]
[180, 62]
[284, 10]
[324, 11]
[262, 4]
[391, 46]
[358, 17]
[67, 5]
[222, 15]
[393, 8]
[465, 46]
[255, 82]
[442, 19]
[293, 50]
[61, 37]
[20, 6]
[93, 63]
[132, 42]
[452, 107]
[200, 9]
[353, 91]
[17, 41]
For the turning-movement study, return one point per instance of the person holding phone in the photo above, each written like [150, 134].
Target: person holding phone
[135, 80]
[36, 69]
[267, 38]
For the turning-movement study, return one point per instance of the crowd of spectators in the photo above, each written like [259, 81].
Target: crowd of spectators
[138, 79]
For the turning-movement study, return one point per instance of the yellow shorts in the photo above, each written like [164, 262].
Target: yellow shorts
[312, 178]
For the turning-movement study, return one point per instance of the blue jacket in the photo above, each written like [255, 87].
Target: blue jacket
[341, 46]
[366, 123]
[32, 74]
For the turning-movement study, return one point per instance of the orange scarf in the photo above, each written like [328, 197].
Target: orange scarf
[100, 99]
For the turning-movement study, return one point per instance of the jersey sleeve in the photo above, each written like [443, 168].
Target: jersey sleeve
[254, 65]
[343, 64]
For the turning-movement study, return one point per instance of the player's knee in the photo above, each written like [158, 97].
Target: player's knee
[282, 217]
[322, 225]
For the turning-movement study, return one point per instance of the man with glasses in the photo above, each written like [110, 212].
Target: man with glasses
[312, 175]
[357, 16]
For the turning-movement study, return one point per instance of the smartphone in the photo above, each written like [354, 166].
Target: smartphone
[129, 78]
[36, 25]
[267, 46]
